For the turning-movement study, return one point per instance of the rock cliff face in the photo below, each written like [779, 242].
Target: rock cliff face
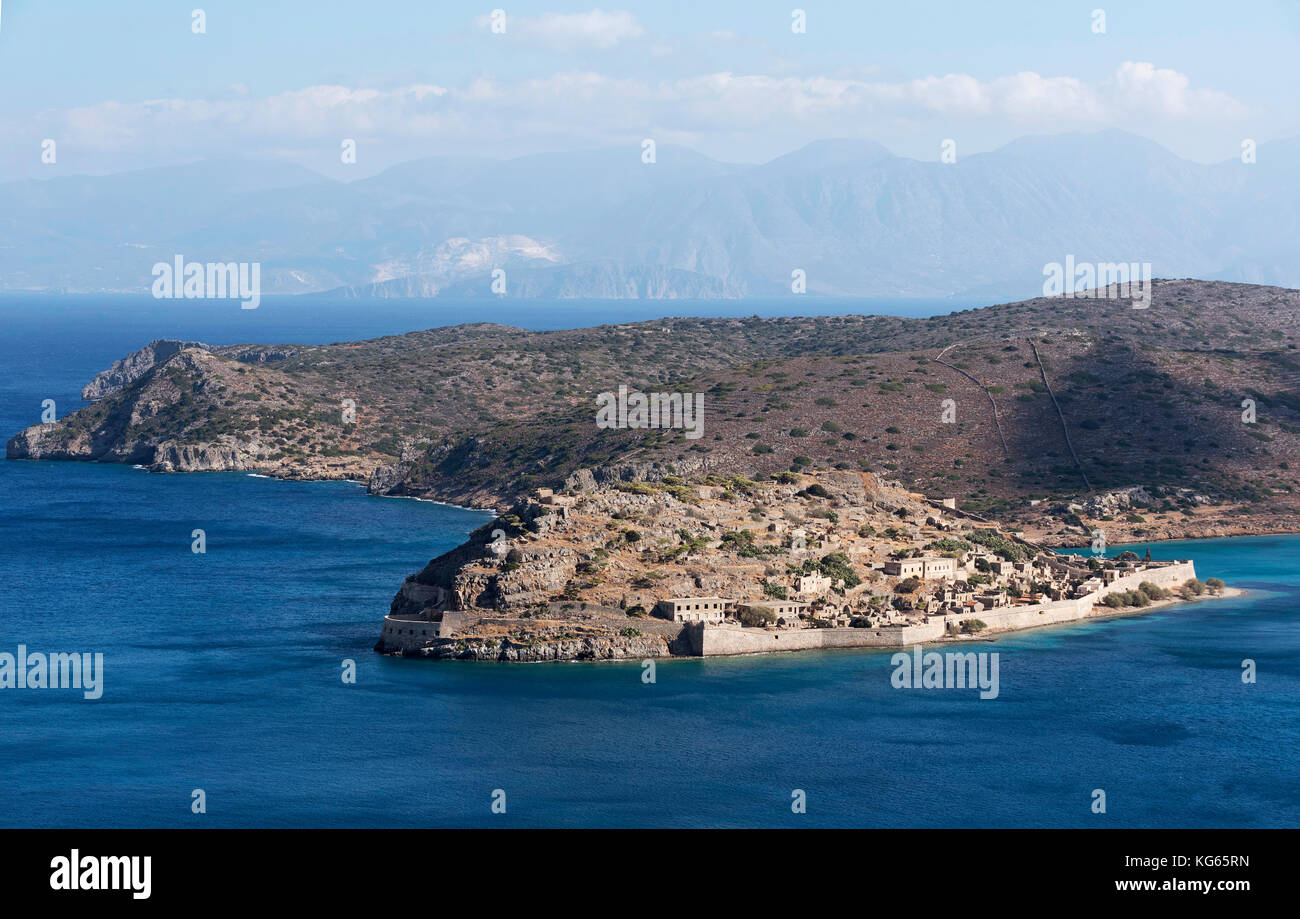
[236, 457]
[126, 371]
[588, 648]
[135, 365]
[137, 423]
[690, 466]
[184, 407]
[495, 569]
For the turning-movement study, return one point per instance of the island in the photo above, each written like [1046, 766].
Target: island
[730, 565]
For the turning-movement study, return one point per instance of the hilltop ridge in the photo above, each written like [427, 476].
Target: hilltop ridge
[1062, 414]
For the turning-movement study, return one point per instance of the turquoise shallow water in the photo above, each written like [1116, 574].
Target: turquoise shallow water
[222, 673]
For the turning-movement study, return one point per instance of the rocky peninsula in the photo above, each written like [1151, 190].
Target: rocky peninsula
[1055, 416]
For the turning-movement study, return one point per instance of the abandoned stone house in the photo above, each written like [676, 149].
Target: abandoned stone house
[787, 609]
[926, 567]
[905, 567]
[957, 594]
[812, 584]
[560, 504]
[993, 600]
[694, 609]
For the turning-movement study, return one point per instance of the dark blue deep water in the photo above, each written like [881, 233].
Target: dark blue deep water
[222, 671]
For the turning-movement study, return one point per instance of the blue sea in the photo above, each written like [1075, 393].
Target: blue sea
[222, 671]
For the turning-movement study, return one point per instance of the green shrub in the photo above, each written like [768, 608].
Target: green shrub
[837, 567]
[949, 546]
[999, 545]
[754, 616]
[742, 543]
[1154, 592]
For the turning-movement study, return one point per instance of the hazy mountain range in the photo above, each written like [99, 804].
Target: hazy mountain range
[601, 223]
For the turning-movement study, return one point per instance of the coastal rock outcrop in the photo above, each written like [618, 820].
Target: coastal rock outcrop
[589, 648]
[170, 389]
[135, 365]
[127, 370]
[590, 479]
[234, 457]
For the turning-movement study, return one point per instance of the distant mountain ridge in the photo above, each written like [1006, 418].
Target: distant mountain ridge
[856, 219]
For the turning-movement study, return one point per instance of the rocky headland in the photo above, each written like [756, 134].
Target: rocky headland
[1058, 417]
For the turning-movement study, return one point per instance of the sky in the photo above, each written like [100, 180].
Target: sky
[132, 84]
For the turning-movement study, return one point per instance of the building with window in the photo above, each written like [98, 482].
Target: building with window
[694, 609]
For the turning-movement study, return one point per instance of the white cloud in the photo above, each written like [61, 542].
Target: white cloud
[572, 109]
[569, 31]
[1165, 93]
[1136, 88]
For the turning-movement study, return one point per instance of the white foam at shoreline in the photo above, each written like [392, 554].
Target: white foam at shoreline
[460, 507]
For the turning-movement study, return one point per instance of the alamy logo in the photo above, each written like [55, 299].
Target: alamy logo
[103, 872]
[182, 280]
[1099, 280]
[57, 670]
[954, 670]
[652, 410]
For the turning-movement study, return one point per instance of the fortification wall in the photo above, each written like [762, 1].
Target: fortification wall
[407, 634]
[1025, 617]
[718, 641]
[726, 640]
[1173, 575]
[1003, 619]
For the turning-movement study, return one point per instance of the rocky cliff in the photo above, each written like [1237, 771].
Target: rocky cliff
[127, 370]
[137, 364]
[184, 407]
